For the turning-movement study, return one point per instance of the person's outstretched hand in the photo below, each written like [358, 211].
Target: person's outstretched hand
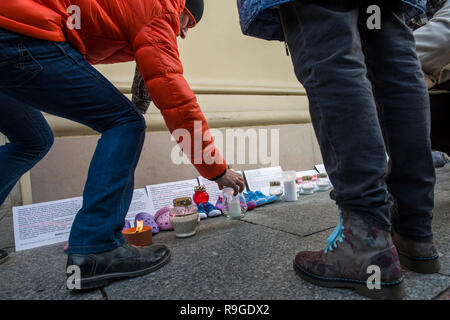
[233, 180]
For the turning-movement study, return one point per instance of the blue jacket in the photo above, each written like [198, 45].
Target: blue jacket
[260, 19]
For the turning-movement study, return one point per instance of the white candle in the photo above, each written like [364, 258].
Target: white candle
[234, 208]
[290, 190]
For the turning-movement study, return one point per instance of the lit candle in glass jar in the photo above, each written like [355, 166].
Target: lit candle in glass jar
[276, 189]
[290, 188]
[307, 185]
[232, 204]
[322, 181]
[184, 217]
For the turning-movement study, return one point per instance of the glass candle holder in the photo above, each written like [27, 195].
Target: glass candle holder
[322, 181]
[200, 195]
[183, 206]
[234, 207]
[307, 185]
[290, 187]
[184, 217]
[276, 189]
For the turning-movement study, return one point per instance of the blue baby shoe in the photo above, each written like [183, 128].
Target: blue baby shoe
[202, 213]
[211, 210]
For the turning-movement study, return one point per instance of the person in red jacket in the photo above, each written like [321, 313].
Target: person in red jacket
[47, 48]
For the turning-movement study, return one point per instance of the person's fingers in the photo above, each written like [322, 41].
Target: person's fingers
[241, 185]
[236, 189]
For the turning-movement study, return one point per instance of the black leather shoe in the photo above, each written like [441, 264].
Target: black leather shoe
[3, 256]
[98, 269]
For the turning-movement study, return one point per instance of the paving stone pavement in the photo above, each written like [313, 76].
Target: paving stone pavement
[247, 259]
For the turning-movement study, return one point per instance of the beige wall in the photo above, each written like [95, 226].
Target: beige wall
[239, 81]
[218, 58]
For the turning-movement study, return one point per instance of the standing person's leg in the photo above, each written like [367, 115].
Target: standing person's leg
[54, 78]
[326, 51]
[29, 138]
[402, 96]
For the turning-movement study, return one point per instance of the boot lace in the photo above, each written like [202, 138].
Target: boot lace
[336, 235]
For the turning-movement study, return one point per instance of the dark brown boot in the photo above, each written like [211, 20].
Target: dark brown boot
[419, 257]
[3, 256]
[352, 248]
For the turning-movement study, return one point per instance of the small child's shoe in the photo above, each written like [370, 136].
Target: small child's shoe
[149, 221]
[251, 204]
[211, 210]
[202, 213]
[162, 218]
[270, 199]
[255, 197]
[219, 204]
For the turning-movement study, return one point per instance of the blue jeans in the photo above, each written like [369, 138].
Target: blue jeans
[38, 75]
[367, 97]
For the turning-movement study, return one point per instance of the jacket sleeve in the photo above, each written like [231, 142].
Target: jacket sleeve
[433, 46]
[157, 57]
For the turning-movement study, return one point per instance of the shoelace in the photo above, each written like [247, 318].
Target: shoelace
[336, 235]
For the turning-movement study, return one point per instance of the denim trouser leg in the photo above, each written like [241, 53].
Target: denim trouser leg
[328, 54]
[25, 147]
[402, 97]
[328, 60]
[53, 77]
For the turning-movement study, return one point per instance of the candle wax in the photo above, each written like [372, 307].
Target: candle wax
[307, 185]
[235, 209]
[290, 190]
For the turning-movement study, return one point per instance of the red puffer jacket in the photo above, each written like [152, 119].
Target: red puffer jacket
[124, 30]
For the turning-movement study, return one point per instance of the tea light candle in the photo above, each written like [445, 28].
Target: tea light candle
[323, 184]
[275, 189]
[322, 181]
[308, 187]
[290, 188]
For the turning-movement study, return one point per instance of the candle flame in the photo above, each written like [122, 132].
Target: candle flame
[139, 225]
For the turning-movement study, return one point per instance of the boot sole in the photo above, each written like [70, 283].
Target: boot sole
[4, 259]
[103, 280]
[386, 292]
[420, 266]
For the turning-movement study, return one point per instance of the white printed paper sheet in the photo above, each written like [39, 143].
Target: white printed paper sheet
[320, 168]
[47, 223]
[259, 179]
[139, 203]
[161, 195]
